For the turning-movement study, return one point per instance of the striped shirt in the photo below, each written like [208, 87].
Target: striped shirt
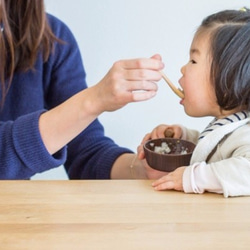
[215, 123]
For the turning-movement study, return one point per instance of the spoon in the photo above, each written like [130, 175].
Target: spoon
[168, 133]
[177, 91]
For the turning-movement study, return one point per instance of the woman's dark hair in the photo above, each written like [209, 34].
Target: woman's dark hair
[24, 33]
[230, 56]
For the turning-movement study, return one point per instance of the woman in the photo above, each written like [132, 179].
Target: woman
[48, 115]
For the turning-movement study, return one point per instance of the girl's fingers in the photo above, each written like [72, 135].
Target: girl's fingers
[158, 132]
[160, 181]
[164, 183]
[165, 186]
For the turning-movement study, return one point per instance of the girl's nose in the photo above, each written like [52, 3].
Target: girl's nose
[183, 69]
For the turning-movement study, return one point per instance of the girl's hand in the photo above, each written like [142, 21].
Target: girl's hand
[159, 132]
[127, 81]
[172, 180]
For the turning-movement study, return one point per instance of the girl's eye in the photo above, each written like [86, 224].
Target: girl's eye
[192, 61]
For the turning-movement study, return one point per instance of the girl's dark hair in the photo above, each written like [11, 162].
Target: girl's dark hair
[230, 56]
[24, 32]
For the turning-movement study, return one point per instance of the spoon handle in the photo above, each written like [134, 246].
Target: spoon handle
[177, 91]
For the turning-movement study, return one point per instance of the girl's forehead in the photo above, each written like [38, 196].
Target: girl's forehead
[201, 47]
[201, 41]
[201, 35]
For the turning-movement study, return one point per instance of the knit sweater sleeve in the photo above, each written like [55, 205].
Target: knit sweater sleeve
[91, 154]
[22, 152]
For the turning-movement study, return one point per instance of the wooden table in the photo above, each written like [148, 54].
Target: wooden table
[118, 215]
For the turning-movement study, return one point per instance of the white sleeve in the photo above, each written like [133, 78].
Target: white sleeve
[199, 178]
[189, 134]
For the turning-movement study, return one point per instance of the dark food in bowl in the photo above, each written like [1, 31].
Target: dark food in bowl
[167, 154]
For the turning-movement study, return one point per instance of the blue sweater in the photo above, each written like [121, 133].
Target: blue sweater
[22, 152]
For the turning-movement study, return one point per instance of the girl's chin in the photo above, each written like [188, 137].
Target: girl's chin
[191, 113]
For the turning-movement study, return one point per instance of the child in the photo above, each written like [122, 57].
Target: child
[216, 82]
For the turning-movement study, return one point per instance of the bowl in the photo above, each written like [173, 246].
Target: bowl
[167, 154]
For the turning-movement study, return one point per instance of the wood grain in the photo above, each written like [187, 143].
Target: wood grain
[124, 214]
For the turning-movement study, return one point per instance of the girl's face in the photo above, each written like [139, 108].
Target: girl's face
[200, 98]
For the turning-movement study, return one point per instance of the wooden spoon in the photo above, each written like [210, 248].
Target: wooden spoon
[177, 91]
[169, 133]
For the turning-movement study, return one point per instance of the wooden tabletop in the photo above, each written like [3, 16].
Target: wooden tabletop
[109, 214]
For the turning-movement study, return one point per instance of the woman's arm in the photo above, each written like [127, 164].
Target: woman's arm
[119, 87]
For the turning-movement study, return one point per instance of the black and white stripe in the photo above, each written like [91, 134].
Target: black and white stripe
[220, 122]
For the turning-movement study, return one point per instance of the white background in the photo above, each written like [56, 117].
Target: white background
[110, 30]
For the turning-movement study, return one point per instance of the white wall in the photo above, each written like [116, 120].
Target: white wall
[109, 30]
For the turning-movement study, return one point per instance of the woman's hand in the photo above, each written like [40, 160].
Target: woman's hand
[172, 180]
[151, 173]
[127, 81]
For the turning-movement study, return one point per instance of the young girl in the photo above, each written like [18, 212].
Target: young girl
[216, 82]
